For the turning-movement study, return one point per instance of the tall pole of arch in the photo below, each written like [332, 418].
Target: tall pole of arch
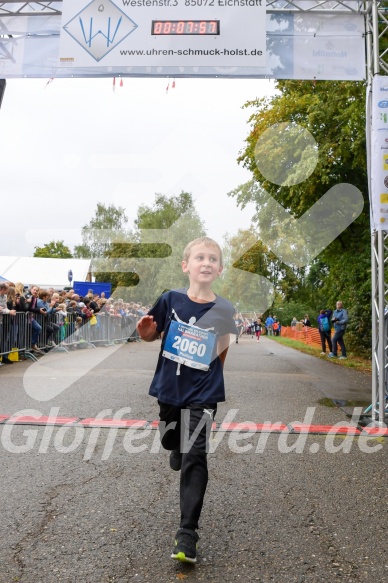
[376, 29]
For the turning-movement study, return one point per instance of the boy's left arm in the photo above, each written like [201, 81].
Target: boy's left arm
[222, 347]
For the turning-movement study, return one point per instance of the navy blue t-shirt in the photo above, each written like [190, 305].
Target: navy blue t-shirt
[178, 384]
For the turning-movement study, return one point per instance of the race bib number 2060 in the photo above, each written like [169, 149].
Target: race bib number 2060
[189, 345]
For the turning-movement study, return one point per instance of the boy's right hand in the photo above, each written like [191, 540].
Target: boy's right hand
[146, 328]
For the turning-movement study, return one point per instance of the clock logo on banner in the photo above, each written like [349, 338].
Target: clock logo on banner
[100, 27]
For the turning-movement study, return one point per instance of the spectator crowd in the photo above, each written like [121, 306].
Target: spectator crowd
[35, 320]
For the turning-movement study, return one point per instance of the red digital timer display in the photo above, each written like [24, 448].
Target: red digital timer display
[168, 27]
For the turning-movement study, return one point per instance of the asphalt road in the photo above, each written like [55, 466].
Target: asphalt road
[99, 505]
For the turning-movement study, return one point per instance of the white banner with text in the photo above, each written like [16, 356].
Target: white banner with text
[158, 40]
[379, 154]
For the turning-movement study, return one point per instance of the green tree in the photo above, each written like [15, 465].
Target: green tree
[244, 281]
[285, 311]
[148, 261]
[334, 113]
[54, 249]
[107, 225]
[164, 212]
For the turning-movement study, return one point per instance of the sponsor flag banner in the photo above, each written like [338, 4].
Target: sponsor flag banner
[379, 154]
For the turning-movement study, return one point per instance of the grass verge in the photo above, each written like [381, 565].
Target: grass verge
[352, 361]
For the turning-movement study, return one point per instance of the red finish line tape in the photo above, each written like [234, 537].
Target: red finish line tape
[42, 420]
[246, 426]
[325, 429]
[375, 431]
[254, 427]
[95, 422]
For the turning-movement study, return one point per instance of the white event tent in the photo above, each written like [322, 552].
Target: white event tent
[44, 272]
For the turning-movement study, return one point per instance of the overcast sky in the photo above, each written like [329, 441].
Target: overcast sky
[72, 143]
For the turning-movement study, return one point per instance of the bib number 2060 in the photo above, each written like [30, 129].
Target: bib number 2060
[190, 346]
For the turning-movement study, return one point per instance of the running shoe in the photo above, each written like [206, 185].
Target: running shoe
[185, 546]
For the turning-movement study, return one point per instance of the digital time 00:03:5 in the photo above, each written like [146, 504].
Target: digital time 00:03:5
[166, 27]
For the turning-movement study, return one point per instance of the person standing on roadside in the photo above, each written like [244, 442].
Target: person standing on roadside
[324, 327]
[31, 305]
[269, 325]
[340, 319]
[5, 326]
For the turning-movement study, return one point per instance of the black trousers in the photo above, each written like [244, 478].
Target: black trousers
[338, 339]
[187, 429]
[326, 337]
[51, 329]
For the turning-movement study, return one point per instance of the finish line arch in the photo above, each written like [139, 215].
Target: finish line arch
[281, 39]
[30, 47]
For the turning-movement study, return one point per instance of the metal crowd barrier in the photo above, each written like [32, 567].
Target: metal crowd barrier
[62, 333]
[102, 330]
[15, 335]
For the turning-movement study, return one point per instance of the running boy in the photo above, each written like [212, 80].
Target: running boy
[195, 325]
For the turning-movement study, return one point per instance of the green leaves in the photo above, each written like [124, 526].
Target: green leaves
[334, 113]
[54, 249]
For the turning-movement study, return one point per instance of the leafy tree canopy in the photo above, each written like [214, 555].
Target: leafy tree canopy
[54, 249]
[147, 261]
[164, 212]
[333, 112]
[106, 225]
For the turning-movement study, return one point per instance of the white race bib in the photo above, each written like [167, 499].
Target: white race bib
[189, 345]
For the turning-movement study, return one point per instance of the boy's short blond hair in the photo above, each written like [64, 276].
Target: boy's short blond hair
[201, 240]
